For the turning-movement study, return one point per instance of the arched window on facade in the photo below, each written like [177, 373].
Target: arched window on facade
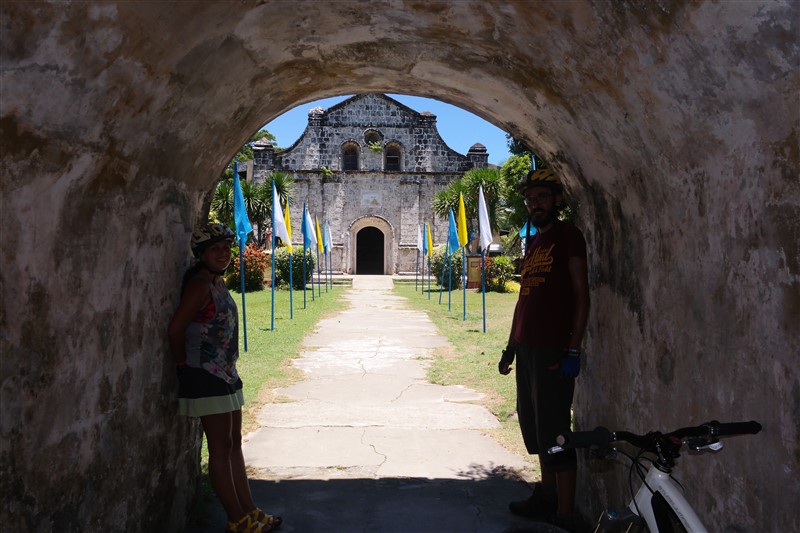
[372, 137]
[392, 155]
[350, 156]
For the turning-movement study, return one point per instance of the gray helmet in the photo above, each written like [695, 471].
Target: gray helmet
[207, 234]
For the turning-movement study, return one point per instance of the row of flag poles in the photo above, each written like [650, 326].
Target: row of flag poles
[456, 241]
[314, 235]
[319, 238]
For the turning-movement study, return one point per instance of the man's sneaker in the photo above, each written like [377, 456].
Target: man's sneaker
[542, 504]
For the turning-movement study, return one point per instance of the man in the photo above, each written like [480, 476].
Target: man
[546, 333]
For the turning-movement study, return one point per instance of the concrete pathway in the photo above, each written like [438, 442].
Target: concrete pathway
[366, 444]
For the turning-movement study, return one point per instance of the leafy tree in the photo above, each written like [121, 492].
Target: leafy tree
[468, 185]
[518, 147]
[512, 172]
[245, 153]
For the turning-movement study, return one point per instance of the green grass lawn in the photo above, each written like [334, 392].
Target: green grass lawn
[472, 359]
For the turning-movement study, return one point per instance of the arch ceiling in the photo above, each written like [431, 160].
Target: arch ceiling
[673, 124]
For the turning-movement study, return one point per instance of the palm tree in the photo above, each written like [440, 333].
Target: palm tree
[447, 199]
[222, 202]
[284, 186]
[493, 191]
[257, 209]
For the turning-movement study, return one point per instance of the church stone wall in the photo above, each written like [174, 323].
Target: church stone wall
[403, 198]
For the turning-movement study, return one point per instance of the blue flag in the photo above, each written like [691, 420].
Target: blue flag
[308, 230]
[243, 226]
[424, 241]
[452, 237]
[326, 237]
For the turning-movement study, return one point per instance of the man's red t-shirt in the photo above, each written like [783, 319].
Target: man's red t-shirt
[546, 305]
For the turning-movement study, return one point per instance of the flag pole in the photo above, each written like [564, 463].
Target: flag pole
[313, 297]
[416, 274]
[429, 274]
[441, 279]
[291, 281]
[241, 242]
[244, 307]
[464, 277]
[483, 287]
[272, 324]
[319, 275]
[305, 278]
[449, 283]
[241, 265]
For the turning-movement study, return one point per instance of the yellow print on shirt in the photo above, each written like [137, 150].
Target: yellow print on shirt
[540, 260]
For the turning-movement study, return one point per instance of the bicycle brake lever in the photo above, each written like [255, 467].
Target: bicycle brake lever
[703, 444]
[712, 447]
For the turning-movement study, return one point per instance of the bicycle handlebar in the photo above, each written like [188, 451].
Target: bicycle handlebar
[602, 437]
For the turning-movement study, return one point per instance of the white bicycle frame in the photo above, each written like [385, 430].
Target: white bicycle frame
[659, 481]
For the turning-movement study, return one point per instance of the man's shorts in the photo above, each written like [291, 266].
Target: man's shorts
[544, 404]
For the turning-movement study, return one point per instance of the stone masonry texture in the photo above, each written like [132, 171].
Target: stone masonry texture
[673, 124]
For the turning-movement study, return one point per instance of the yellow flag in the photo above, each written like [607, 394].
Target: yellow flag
[287, 221]
[462, 221]
[430, 241]
[320, 244]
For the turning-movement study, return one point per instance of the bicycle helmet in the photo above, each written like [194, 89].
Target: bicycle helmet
[207, 234]
[540, 178]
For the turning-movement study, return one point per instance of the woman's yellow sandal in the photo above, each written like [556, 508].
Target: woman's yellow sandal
[273, 522]
[246, 525]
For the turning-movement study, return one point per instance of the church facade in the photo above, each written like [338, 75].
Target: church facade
[369, 167]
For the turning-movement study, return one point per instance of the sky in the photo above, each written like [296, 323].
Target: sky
[458, 128]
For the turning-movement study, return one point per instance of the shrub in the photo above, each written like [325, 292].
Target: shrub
[282, 267]
[256, 262]
[499, 271]
[438, 267]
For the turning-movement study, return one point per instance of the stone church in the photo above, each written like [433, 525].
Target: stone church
[369, 167]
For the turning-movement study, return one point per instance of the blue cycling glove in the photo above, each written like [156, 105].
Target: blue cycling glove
[571, 364]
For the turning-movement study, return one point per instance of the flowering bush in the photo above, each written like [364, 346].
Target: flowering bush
[256, 262]
[499, 271]
[440, 269]
[282, 267]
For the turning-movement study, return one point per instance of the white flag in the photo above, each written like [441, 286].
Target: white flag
[420, 246]
[278, 224]
[483, 221]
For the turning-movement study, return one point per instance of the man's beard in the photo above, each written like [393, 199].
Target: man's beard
[541, 218]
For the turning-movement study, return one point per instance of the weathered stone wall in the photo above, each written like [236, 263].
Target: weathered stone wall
[674, 124]
[346, 196]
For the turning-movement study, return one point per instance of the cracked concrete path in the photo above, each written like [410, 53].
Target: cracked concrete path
[366, 444]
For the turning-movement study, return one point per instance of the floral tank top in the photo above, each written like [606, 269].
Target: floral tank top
[212, 338]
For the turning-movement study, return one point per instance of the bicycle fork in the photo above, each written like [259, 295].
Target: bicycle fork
[625, 520]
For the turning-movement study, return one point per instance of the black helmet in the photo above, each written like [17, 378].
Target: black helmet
[207, 234]
[540, 178]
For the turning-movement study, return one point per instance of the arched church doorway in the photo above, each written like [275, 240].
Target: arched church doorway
[369, 251]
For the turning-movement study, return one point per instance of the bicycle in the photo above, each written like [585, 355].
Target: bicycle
[659, 505]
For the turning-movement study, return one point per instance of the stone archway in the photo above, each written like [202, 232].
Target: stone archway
[376, 260]
[673, 124]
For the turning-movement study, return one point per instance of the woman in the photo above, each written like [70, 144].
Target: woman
[203, 336]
